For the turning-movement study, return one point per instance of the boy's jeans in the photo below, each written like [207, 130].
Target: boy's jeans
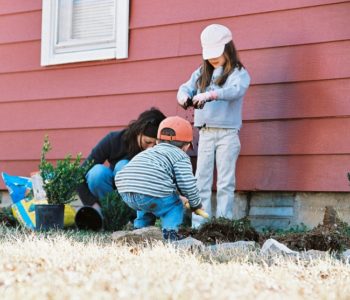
[169, 209]
[100, 179]
[221, 146]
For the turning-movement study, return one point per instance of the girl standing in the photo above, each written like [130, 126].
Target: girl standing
[217, 89]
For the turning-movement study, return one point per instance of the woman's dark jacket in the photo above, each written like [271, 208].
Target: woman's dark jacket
[110, 149]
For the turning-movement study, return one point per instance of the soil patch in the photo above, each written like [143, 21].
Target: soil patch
[323, 237]
[223, 230]
[332, 235]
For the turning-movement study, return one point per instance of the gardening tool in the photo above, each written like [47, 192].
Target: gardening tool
[199, 211]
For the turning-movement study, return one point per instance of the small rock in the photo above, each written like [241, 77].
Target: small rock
[188, 243]
[150, 233]
[346, 255]
[271, 246]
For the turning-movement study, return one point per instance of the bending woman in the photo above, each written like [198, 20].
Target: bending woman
[114, 147]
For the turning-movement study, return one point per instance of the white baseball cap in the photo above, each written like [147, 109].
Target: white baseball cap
[213, 39]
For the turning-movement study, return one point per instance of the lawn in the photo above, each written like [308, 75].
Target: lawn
[80, 265]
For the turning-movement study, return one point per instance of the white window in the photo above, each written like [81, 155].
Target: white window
[83, 30]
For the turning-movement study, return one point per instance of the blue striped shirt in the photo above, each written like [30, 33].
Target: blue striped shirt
[159, 172]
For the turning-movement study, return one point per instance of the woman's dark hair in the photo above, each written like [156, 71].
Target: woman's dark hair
[232, 62]
[147, 124]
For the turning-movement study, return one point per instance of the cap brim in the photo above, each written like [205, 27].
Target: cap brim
[209, 53]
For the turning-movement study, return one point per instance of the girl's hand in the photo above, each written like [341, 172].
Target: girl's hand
[182, 100]
[200, 99]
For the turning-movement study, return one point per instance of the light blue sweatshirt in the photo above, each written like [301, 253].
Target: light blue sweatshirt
[226, 111]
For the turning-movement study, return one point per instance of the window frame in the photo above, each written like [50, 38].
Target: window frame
[49, 29]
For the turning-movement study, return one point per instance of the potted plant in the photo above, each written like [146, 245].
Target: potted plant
[60, 182]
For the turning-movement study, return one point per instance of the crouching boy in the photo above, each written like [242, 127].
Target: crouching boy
[152, 181]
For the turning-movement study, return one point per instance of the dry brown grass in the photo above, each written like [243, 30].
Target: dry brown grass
[70, 265]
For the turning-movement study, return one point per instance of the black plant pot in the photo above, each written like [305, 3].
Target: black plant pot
[49, 216]
[88, 218]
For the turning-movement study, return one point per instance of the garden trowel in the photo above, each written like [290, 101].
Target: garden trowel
[199, 211]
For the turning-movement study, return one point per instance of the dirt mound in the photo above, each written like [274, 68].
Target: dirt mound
[331, 217]
[222, 230]
[332, 235]
[323, 237]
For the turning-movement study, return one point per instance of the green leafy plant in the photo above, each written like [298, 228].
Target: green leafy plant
[116, 213]
[7, 217]
[61, 181]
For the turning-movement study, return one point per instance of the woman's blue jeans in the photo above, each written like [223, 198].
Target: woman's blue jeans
[100, 179]
[169, 209]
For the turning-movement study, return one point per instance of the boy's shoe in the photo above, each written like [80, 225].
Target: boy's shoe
[171, 235]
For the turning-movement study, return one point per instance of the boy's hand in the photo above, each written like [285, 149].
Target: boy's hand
[184, 200]
[198, 211]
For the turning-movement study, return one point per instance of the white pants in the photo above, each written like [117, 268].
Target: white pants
[220, 146]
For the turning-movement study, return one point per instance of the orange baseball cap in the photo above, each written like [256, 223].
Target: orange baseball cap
[175, 129]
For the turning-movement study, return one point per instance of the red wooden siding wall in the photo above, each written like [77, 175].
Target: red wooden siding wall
[296, 113]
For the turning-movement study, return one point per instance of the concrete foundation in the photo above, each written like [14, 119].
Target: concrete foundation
[275, 210]
[279, 210]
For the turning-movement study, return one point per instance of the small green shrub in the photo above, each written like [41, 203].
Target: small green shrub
[7, 217]
[116, 213]
[61, 181]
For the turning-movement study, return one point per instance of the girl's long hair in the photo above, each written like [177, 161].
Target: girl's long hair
[232, 62]
[130, 144]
